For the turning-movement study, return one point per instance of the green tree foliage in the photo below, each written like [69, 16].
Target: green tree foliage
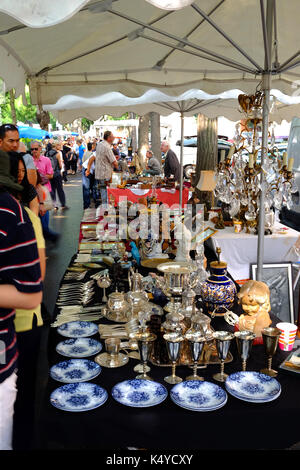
[24, 113]
[86, 124]
[121, 118]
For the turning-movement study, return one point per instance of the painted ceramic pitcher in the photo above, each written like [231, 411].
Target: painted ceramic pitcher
[218, 291]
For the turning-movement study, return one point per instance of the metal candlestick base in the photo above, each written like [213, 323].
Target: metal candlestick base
[194, 377]
[111, 361]
[173, 379]
[219, 377]
[140, 368]
[144, 377]
[270, 372]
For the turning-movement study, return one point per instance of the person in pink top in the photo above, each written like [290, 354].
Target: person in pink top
[44, 167]
[43, 164]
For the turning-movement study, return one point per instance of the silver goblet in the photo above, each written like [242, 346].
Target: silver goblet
[223, 339]
[132, 328]
[270, 338]
[196, 344]
[104, 282]
[244, 340]
[145, 343]
[174, 341]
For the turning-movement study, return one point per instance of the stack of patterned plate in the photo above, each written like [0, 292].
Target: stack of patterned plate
[196, 395]
[253, 387]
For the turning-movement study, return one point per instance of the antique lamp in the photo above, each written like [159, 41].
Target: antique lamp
[207, 182]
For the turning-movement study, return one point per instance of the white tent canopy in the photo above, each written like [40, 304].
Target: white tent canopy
[37, 13]
[131, 46]
[189, 103]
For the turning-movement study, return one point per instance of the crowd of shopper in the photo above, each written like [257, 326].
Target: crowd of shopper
[31, 185]
[22, 268]
[103, 157]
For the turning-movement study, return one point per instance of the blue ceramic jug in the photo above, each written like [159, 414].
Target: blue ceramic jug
[218, 291]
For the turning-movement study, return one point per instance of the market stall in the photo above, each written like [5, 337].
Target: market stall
[101, 306]
[174, 39]
[164, 195]
[241, 249]
[167, 426]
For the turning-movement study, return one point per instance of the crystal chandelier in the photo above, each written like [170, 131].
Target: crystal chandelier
[240, 179]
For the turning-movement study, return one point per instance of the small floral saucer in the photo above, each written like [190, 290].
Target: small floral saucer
[75, 370]
[78, 397]
[79, 347]
[78, 329]
[139, 393]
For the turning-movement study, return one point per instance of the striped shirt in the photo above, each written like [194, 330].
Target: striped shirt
[19, 266]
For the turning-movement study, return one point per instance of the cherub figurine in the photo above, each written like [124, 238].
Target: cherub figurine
[255, 299]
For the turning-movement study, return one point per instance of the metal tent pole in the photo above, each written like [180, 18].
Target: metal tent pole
[181, 158]
[267, 25]
[264, 154]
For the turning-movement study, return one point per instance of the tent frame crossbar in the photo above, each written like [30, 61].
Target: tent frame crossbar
[226, 36]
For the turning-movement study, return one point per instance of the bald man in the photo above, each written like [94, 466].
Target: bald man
[171, 166]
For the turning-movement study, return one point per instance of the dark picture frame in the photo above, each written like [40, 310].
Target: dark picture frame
[278, 277]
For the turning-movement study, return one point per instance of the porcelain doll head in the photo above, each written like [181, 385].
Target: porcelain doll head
[254, 297]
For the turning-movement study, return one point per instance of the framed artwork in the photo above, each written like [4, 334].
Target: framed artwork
[116, 178]
[204, 235]
[278, 278]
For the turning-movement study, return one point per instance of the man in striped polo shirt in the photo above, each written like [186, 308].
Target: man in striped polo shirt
[20, 287]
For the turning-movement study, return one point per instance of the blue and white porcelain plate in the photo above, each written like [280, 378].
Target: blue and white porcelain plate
[196, 395]
[79, 347]
[78, 329]
[75, 370]
[78, 397]
[139, 393]
[253, 387]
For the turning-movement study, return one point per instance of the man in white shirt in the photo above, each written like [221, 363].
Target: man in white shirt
[105, 162]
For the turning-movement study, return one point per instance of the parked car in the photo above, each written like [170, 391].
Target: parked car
[292, 217]
[190, 152]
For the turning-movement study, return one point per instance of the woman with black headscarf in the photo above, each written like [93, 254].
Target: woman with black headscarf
[18, 172]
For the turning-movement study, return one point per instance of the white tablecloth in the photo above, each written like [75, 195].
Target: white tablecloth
[239, 250]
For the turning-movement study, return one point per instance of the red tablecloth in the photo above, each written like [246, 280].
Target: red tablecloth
[168, 197]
